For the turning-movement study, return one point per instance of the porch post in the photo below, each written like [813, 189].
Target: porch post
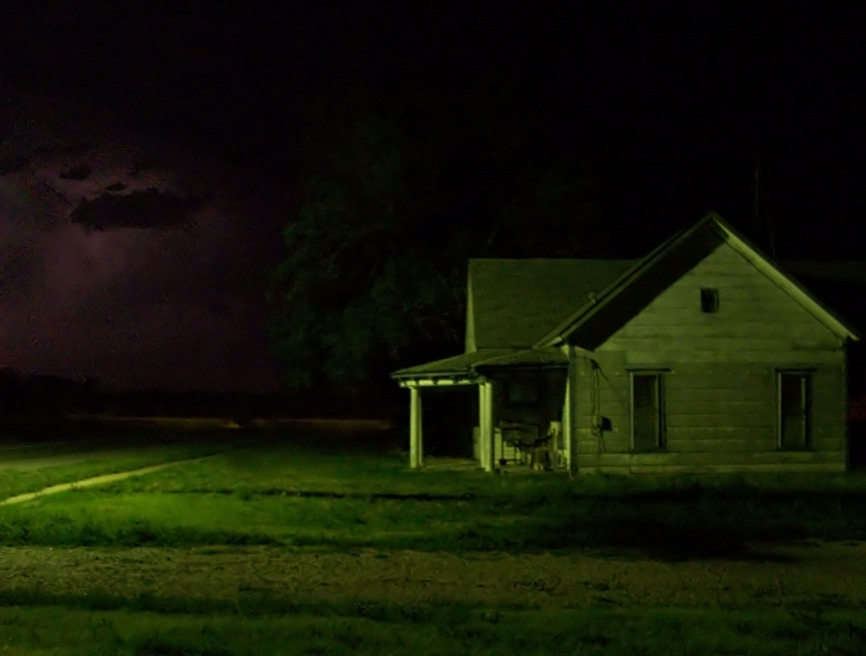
[571, 400]
[566, 420]
[491, 418]
[416, 430]
[486, 425]
[482, 428]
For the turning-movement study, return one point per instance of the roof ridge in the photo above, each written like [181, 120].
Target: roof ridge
[710, 221]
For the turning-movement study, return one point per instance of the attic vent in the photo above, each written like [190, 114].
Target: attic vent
[709, 299]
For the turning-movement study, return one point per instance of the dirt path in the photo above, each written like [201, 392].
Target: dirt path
[833, 573]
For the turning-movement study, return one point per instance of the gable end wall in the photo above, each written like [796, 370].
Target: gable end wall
[719, 378]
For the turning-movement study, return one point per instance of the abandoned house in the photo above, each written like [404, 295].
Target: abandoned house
[703, 356]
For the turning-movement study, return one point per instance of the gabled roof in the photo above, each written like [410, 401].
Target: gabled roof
[519, 311]
[514, 302]
[592, 323]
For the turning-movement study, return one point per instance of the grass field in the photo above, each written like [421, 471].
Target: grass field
[37, 465]
[324, 543]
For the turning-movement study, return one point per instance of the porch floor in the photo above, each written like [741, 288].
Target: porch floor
[433, 463]
[436, 463]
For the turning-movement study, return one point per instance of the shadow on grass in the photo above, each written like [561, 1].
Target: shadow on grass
[668, 541]
[246, 604]
[133, 534]
[323, 494]
[695, 522]
[672, 531]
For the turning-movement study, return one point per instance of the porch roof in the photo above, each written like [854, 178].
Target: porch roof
[467, 365]
[456, 365]
[542, 357]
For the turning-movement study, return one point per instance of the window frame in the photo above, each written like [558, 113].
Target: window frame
[524, 381]
[661, 433]
[710, 300]
[807, 376]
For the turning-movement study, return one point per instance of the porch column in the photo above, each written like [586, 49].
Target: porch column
[566, 421]
[416, 430]
[571, 408]
[482, 428]
[486, 425]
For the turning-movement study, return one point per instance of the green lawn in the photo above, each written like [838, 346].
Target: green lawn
[84, 459]
[333, 494]
[296, 495]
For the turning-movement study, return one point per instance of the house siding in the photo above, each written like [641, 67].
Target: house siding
[719, 378]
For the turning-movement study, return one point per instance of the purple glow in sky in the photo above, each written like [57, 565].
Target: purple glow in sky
[147, 171]
[179, 305]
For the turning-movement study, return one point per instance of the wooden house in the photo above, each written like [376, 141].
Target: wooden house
[703, 356]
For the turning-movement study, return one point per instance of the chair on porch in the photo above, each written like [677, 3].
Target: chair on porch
[529, 441]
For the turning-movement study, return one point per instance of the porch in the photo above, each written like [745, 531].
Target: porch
[522, 418]
[496, 442]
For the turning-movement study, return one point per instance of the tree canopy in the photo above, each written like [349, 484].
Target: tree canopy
[375, 269]
[362, 282]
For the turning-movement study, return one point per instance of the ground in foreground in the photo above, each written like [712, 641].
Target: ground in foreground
[310, 546]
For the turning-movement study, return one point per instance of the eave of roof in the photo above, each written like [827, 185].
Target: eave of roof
[455, 366]
[467, 365]
[530, 358]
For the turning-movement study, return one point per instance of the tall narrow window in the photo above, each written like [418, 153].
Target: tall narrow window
[647, 411]
[795, 401]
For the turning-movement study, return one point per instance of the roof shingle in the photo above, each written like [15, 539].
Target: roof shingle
[516, 302]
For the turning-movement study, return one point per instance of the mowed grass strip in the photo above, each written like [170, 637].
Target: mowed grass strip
[91, 461]
[360, 629]
[93, 518]
[296, 494]
[296, 465]
[669, 531]
[673, 516]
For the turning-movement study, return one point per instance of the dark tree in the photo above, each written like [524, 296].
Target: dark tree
[389, 212]
[365, 279]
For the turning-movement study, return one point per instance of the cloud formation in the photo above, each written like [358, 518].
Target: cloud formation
[124, 258]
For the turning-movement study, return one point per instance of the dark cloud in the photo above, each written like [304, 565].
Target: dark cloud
[150, 208]
[79, 173]
[112, 265]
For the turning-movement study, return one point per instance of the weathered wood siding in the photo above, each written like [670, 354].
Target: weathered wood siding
[719, 380]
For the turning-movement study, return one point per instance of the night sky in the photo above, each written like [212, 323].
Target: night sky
[149, 153]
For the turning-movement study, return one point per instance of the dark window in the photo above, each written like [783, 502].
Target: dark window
[709, 300]
[795, 401]
[522, 389]
[647, 412]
